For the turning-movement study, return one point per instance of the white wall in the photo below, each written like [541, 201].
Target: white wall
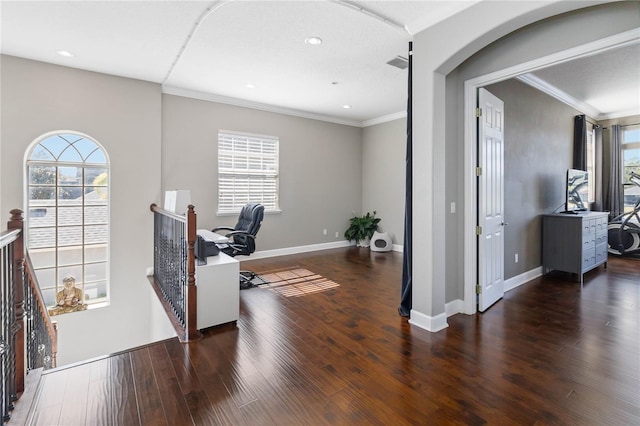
[437, 52]
[124, 116]
[383, 175]
[320, 168]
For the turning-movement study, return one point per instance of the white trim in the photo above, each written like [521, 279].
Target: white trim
[429, 323]
[564, 97]
[523, 278]
[263, 254]
[470, 193]
[295, 250]
[194, 94]
[560, 95]
[398, 247]
[454, 307]
[380, 17]
[385, 119]
[470, 102]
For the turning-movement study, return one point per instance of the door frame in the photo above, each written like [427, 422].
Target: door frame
[470, 249]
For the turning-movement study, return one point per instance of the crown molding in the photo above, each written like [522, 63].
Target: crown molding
[384, 119]
[560, 95]
[194, 94]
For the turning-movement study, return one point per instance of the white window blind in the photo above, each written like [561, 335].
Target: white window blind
[247, 171]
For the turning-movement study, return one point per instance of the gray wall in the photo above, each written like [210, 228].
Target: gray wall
[538, 150]
[124, 116]
[438, 124]
[383, 178]
[538, 39]
[320, 168]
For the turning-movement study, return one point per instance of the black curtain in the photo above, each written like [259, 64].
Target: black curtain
[580, 142]
[405, 300]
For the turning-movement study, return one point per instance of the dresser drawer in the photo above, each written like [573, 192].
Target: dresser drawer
[601, 253]
[602, 223]
[588, 259]
[588, 242]
[588, 226]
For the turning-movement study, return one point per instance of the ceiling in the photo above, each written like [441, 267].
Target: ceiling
[603, 85]
[253, 53]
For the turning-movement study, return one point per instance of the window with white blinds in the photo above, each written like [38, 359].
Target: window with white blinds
[247, 171]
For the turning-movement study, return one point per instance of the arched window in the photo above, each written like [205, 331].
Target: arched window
[67, 229]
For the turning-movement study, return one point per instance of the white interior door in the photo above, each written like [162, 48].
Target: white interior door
[490, 200]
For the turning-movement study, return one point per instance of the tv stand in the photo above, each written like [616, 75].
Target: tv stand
[575, 243]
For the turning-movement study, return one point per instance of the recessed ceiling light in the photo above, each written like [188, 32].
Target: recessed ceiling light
[250, 86]
[64, 53]
[335, 83]
[346, 106]
[313, 41]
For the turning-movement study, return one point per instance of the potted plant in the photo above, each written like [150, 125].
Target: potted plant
[361, 228]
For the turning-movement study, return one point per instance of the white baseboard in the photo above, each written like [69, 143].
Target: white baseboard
[454, 307]
[397, 247]
[518, 280]
[295, 250]
[427, 322]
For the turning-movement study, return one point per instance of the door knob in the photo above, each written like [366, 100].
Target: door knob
[504, 223]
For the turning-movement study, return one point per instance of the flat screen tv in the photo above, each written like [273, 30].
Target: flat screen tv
[577, 191]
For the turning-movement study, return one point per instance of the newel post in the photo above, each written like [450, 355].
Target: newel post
[192, 332]
[17, 222]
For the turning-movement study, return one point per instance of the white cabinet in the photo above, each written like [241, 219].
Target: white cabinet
[218, 285]
[574, 243]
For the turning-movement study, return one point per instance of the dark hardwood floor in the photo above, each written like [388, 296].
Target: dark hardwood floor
[547, 353]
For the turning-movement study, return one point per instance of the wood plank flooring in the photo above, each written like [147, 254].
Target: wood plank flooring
[548, 353]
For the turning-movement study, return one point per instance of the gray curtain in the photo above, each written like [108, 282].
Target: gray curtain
[599, 202]
[613, 196]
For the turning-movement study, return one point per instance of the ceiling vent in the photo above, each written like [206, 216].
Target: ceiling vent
[399, 62]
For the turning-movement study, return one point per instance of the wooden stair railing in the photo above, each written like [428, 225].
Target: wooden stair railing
[174, 270]
[42, 332]
[13, 288]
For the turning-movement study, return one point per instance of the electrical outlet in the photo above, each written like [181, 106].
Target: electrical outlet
[337, 235]
[324, 232]
[516, 257]
[453, 207]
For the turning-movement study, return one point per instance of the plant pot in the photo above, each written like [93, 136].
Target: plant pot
[364, 243]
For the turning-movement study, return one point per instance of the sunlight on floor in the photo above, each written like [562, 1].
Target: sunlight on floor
[296, 282]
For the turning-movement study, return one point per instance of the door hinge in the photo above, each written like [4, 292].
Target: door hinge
[478, 289]
[478, 112]
[478, 230]
[478, 171]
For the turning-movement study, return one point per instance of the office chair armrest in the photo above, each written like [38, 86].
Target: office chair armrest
[242, 233]
[222, 228]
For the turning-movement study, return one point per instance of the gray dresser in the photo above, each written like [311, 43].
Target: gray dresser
[574, 243]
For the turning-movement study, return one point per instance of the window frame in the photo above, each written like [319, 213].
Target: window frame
[82, 221]
[624, 146]
[260, 167]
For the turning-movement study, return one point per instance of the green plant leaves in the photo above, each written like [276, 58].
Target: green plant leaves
[361, 227]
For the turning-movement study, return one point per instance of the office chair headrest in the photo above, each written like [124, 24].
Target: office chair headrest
[250, 218]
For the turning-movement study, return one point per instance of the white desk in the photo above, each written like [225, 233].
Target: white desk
[212, 236]
[218, 291]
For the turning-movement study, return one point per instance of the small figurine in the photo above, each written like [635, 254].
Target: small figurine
[69, 299]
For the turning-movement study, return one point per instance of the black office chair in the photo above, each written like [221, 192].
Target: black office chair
[242, 237]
